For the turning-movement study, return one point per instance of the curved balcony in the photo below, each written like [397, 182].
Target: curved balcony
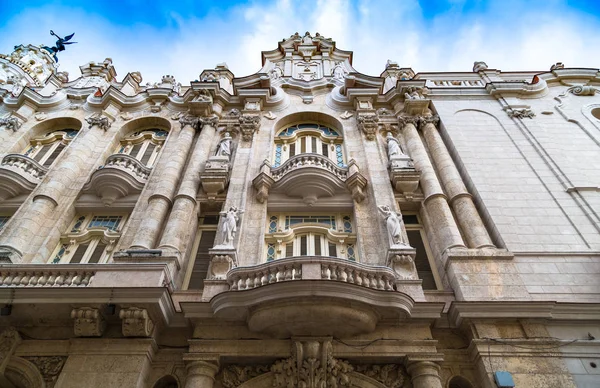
[310, 176]
[312, 295]
[121, 176]
[19, 174]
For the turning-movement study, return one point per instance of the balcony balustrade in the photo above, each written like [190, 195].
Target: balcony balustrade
[19, 174]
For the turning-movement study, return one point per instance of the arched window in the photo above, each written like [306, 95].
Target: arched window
[143, 145]
[291, 235]
[45, 149]
[308, 138]
[90, 239]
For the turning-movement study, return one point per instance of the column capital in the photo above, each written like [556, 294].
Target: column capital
[210, 120]
[368, 123]
[404, 120]
[424, 120]
[421, 368]
[195, 367]
[249, 124]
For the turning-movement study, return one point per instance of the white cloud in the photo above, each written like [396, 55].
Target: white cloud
[529, 36]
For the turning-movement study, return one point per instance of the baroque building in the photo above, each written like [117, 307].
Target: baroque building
[305, 226]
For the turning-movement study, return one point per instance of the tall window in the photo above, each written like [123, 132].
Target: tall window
[308, 139]
[47, 148]
[291, 235]
[423, 261]
[91, 239]
[144, 145]
[205, 239]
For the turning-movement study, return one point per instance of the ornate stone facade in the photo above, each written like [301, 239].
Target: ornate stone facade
[306, 226]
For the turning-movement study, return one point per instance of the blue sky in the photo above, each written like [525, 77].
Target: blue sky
[183, 37]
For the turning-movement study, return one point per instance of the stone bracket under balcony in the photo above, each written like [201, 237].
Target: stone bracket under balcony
[215, 176]
[313, 295]
[403, 175]
[310, 177]
[19, 174]
[122, 175]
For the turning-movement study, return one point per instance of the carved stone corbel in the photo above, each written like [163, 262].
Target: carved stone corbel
[215, 176]
[221, 261]
[368, 124]
[88, 322]
[136, 322]
[100, 121]
[263, 182]
[402, 261]
[249, 124]
[356, 182]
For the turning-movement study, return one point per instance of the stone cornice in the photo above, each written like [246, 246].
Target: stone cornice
[461, 311]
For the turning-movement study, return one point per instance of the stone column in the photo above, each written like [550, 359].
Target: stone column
[176, 230]
[460, 199]
[424, 374]
[160, 201]
[200, 374]
[446, 230]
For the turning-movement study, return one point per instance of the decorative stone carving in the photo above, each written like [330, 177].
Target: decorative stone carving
[415, 101]
[368, 124]
[412, 93]
[390, 375]
[11, 123]
[222, 259]
[339, 71]
[224, 146]
[136, 322]
[311, 366]
[346, 115]
[479, 66]
[557, 66]
[249, 124]
[192, 121]
[270, 116]
[402, 260]
[177, 116]
[49, 367]
[235, 375]
[432, 119]
[403, 174]
[63, 76]
[520, 113]
[101, 121]
[234, 113]
[583, 90]
[307, 99]
[9, 340]
[88, 322]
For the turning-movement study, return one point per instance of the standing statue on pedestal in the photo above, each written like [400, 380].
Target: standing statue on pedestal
[393, 222]
[60, 44]
[229, 226]
[224, 147]
[393, 146]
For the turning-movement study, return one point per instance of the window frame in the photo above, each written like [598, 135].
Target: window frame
[310, 137]
[430, 258]
[93, 236]
[192, 261]
[54, 139]
[145, 137]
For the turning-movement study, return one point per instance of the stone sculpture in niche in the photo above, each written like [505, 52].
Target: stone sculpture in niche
[393, 222]
[393, 146]
[224, 147]
[229, 226]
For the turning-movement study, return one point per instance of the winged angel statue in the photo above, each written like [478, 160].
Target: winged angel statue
[60, 44]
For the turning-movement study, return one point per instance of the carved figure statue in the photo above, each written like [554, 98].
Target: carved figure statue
[338, 71]
[276, 72]
[393, 222]
[393, 146]
[224, 147]
[413, 94]
[229, 226]
[60, 44]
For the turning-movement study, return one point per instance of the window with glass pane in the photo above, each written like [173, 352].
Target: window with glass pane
[143, 145]
[46, 149]
[417, 240]
[310, 138]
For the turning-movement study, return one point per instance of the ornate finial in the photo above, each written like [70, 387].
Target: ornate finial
[60, 44]
[479, 66]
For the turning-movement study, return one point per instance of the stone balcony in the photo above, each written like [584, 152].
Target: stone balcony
[313, 295]
[19, 174]
[122, 175]
[310, 176]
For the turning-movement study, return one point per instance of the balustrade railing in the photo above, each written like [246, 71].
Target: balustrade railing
[128, 163]
[311, 268]
[45, 277]
[25, 164]
[309, 160]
